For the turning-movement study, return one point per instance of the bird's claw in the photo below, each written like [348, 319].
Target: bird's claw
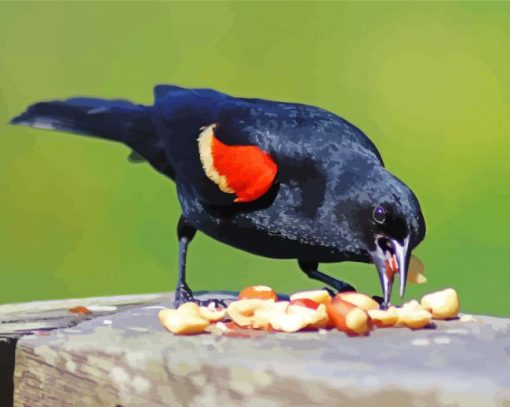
[207, 303]
[183, 294]
[339, 288]
[331, 292]
[346, 287]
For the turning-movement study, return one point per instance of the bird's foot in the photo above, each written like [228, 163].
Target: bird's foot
[378, 299]
[340, 287]
[344, 287]
[331, 292]
[184, 294]
[211, 302]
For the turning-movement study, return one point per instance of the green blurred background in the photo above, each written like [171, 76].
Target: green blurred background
[428, 82]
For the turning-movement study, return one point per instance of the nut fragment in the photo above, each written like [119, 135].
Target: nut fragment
[319, 296]
[312, 315]
[182, 323]
[243, 312]
[297, 317]
[166, 313]
[265, 316]
[416, 270]
[260, 292]
[360, 300]
[348, 317]
[384, 318]
[413, 316]
[442, 304]
[304, 302]
[80, 309]
[217, 329]
[212, 315]
[289, 322]
[467, 318]
[189, 308]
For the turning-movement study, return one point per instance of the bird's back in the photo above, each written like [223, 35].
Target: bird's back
[279, 128]
[303, 140]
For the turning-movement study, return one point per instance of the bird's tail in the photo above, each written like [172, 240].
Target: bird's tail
[115, 120]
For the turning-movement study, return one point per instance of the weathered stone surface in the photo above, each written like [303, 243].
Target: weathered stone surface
[19, 319]
[127, 359]
[38, 317]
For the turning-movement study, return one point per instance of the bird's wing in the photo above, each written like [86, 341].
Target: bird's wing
[244, 171]
[221, 162]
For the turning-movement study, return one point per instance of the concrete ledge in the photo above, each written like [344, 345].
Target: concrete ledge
[125, 358]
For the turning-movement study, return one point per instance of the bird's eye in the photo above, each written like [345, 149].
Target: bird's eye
[379, 214]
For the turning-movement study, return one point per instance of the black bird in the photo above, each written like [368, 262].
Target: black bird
[280, 180]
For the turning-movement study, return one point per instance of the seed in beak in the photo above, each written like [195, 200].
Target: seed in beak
[390, 264]
[394, 263]
[389, 271]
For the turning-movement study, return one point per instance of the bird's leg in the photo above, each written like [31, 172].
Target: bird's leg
[311, 270]
[185, 233]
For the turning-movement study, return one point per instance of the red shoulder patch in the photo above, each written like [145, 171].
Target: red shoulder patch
[246, 171]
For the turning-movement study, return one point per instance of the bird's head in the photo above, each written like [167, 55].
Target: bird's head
[387, 219]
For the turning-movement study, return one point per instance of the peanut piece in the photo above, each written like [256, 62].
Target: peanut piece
[182, 323]
[384, 318]
[243, 312]
[413, 316]
[265, 316]
[189, 308]
[212, 315]
[298, 317]
[416, 271]
[360, 300]
[319, 296]
[348, 317]
[442, 304]
[260, 292]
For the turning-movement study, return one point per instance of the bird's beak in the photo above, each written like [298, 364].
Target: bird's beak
[391, 256]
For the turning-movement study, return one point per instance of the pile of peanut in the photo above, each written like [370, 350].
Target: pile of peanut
[354, 313]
